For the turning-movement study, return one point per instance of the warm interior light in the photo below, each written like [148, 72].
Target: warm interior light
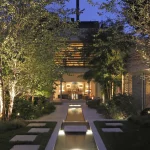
[76, 149]
[75, 105]
[68, 85]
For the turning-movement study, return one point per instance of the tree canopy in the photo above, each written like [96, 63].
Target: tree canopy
[30, 37]
[109, 50]
[136, 13]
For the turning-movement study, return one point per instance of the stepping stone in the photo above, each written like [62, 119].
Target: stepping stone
[36, 124]
[24, 138]
[25, 147]
[114, 124]
[111, 130]
[75, 128]
[38, 130]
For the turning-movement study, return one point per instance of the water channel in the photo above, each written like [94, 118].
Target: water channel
[74, 140]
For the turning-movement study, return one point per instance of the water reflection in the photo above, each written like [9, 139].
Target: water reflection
[75, 141]
[75, 114]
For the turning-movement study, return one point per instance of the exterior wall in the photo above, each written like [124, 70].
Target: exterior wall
[147, 98]
[76, 64]
[138, 85]
[147, 90]
[137, 80]
[137, 91]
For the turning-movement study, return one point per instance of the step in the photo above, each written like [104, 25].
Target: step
[36, 124]
[76, 123]
[25, 138]
[75, 128]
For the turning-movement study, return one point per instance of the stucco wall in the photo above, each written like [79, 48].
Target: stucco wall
[137, 91]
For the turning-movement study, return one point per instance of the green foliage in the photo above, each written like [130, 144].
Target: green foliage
[22, 109]
[102, 109]
[48, 108]
[119, 107]
[30, 38]
[110, 47]
[27, 110]
[93, 103]
[43, 106]
[136, 14]
[125, 104]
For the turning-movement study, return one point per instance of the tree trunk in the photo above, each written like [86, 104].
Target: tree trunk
[122, 84]
[2, 103]
[12, 93]
[32, 98]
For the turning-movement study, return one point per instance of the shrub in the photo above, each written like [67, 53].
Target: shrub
[18, 123]
[26, 110]
[124, 102]
[102, 109]
[22, 109]
[12, 125]
[93, 103]
[119, 107]
[142, 121]
[48, 108]
[146, 111]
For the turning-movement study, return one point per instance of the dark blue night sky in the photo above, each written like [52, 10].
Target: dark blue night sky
[91, 12]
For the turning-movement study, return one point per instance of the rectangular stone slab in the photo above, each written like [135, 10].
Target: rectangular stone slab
[38, 130]
[25, 147]
[75, 128]
[24, 138]
[114, 124]
[36, 124]
[111, 130]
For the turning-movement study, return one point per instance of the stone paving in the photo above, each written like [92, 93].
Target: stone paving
[25, 147]
[114, 124]
[38, 130]
[30, 138]
[111, 130]
[36, 124]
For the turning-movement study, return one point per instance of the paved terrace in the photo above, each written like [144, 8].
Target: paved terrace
[60, 114]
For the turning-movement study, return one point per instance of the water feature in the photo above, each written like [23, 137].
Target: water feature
[75, 133]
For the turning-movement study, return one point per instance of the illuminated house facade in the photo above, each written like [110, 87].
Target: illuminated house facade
[73, 86]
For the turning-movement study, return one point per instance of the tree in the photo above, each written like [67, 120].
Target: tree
[109, 50]
[28, 48]
[136, 13]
